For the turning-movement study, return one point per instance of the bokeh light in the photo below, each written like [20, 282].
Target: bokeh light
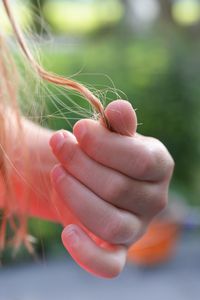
[81, 16]
[186, 12]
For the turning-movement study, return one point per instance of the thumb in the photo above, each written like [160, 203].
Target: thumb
[122, 117]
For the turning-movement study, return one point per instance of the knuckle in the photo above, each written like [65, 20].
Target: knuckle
[136, 235]
[162, 156]
[146, 162]
[155, 152]
[163, 202]
[114, 231]
[170, 165]
[145, 167]
[156, 157]
[117, 188]
[160, 203]
[155, 201]
[118, 230]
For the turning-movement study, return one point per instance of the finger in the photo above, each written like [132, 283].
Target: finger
[139, 197]
[122, 117]
[90, 256]
[139, 157]
[101, 218]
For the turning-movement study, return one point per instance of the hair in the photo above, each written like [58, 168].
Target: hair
[10, 110]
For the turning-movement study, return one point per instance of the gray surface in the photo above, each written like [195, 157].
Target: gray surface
[62, 279]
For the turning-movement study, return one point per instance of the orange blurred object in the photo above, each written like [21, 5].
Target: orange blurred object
[156, 246]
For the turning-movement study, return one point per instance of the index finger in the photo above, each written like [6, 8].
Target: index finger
[138, 157]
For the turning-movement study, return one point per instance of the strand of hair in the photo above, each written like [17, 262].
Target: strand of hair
[50, 77]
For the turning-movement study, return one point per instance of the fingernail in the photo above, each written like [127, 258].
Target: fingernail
[58, 173]
[57, 140]
[71, 236]
[80, 130]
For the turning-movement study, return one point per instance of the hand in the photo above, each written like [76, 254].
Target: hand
[113, 182]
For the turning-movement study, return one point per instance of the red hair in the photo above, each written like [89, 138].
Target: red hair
[9, 110]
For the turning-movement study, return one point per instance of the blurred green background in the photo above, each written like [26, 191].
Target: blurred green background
[147, 51]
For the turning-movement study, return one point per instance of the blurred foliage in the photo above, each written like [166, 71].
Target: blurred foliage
[47, 243]
[159, 76]
[77, 17]
[157, 69]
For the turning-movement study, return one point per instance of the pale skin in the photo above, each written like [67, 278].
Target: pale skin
[107, 187]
